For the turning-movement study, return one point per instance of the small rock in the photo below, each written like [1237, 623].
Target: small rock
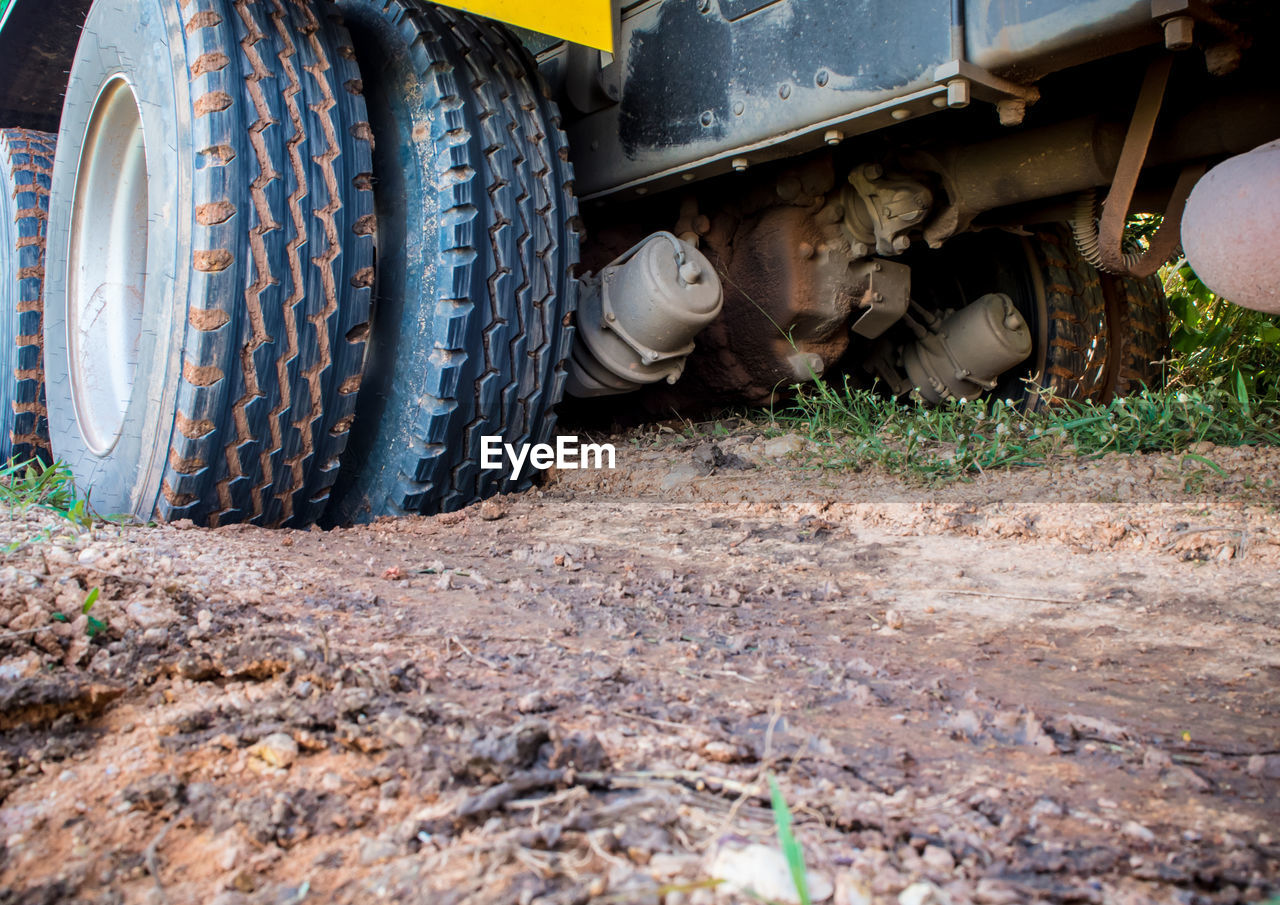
[852, 890]
[91, 554]
[1256, 766]
[204, 619]
[1155, 760]
[784, 446]
[995, 892]
[404, 730]
[276, 750]
[923, 893]
[491, 510]
[893, 619]
[514, 747]
[681, 474]
[580, 750]
[762, 872]
[21, 667]
[374, 850]
[938, 858]
[534, 702]
[724, 752]
[1135, 830]
[148, 613]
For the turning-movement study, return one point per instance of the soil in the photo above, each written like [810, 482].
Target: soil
[1051, 685]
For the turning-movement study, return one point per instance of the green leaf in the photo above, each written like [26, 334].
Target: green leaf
[60, 617]
[90, 600]
[1242, 393]
[791, 849]
[1202, 460]
[95, 627]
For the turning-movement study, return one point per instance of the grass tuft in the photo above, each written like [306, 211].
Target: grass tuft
[938, 445]
[791, 849]
[33, 483]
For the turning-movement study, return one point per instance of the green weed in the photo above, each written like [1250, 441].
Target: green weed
[791, 849]
[95, 626]
[1218, 343]
[858, 428]
[33, 483]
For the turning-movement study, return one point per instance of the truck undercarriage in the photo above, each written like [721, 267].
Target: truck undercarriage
[295, 261]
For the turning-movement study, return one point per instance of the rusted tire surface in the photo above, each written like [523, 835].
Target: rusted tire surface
[1138, 316]
[26, 159]
[210, 253]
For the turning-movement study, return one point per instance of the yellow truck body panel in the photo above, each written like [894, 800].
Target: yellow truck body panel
[588, 22]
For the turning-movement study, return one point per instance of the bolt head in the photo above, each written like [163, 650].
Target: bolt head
[901, 243]
[1179, 32]
[740, 164]
[833, 137]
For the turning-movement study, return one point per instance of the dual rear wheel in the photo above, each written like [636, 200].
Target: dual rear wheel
[212, 300]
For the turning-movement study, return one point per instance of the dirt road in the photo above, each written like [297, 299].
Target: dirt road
[1055, 685]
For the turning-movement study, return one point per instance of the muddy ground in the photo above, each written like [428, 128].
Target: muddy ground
[1048, 685]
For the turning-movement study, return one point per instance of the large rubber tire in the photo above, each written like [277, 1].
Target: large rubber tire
[26, 159]
[1057, 292]
[231, 378]
[1073, 360]
[477, 224]
[1138, 317]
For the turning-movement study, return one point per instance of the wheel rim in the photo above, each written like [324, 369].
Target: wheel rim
[107, 265]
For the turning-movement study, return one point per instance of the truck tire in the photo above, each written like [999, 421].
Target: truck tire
[1057, 292]
[210, 255]
[1073, 359]
[472, 320]
[26, 159]
[1138, 317]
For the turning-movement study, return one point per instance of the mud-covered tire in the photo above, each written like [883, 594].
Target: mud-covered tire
[1072, 357]
[237, 299]
[26, 160]
[1138, 317]
[477, 234]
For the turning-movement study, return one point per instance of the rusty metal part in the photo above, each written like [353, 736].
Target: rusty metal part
[886, 297]
[1039, 163]
[1115, 209]
[1231, 226]
[1084, 227]
[880, 209]
[1067, 158]
[637, 321]
[790, 294]
[960, 355]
